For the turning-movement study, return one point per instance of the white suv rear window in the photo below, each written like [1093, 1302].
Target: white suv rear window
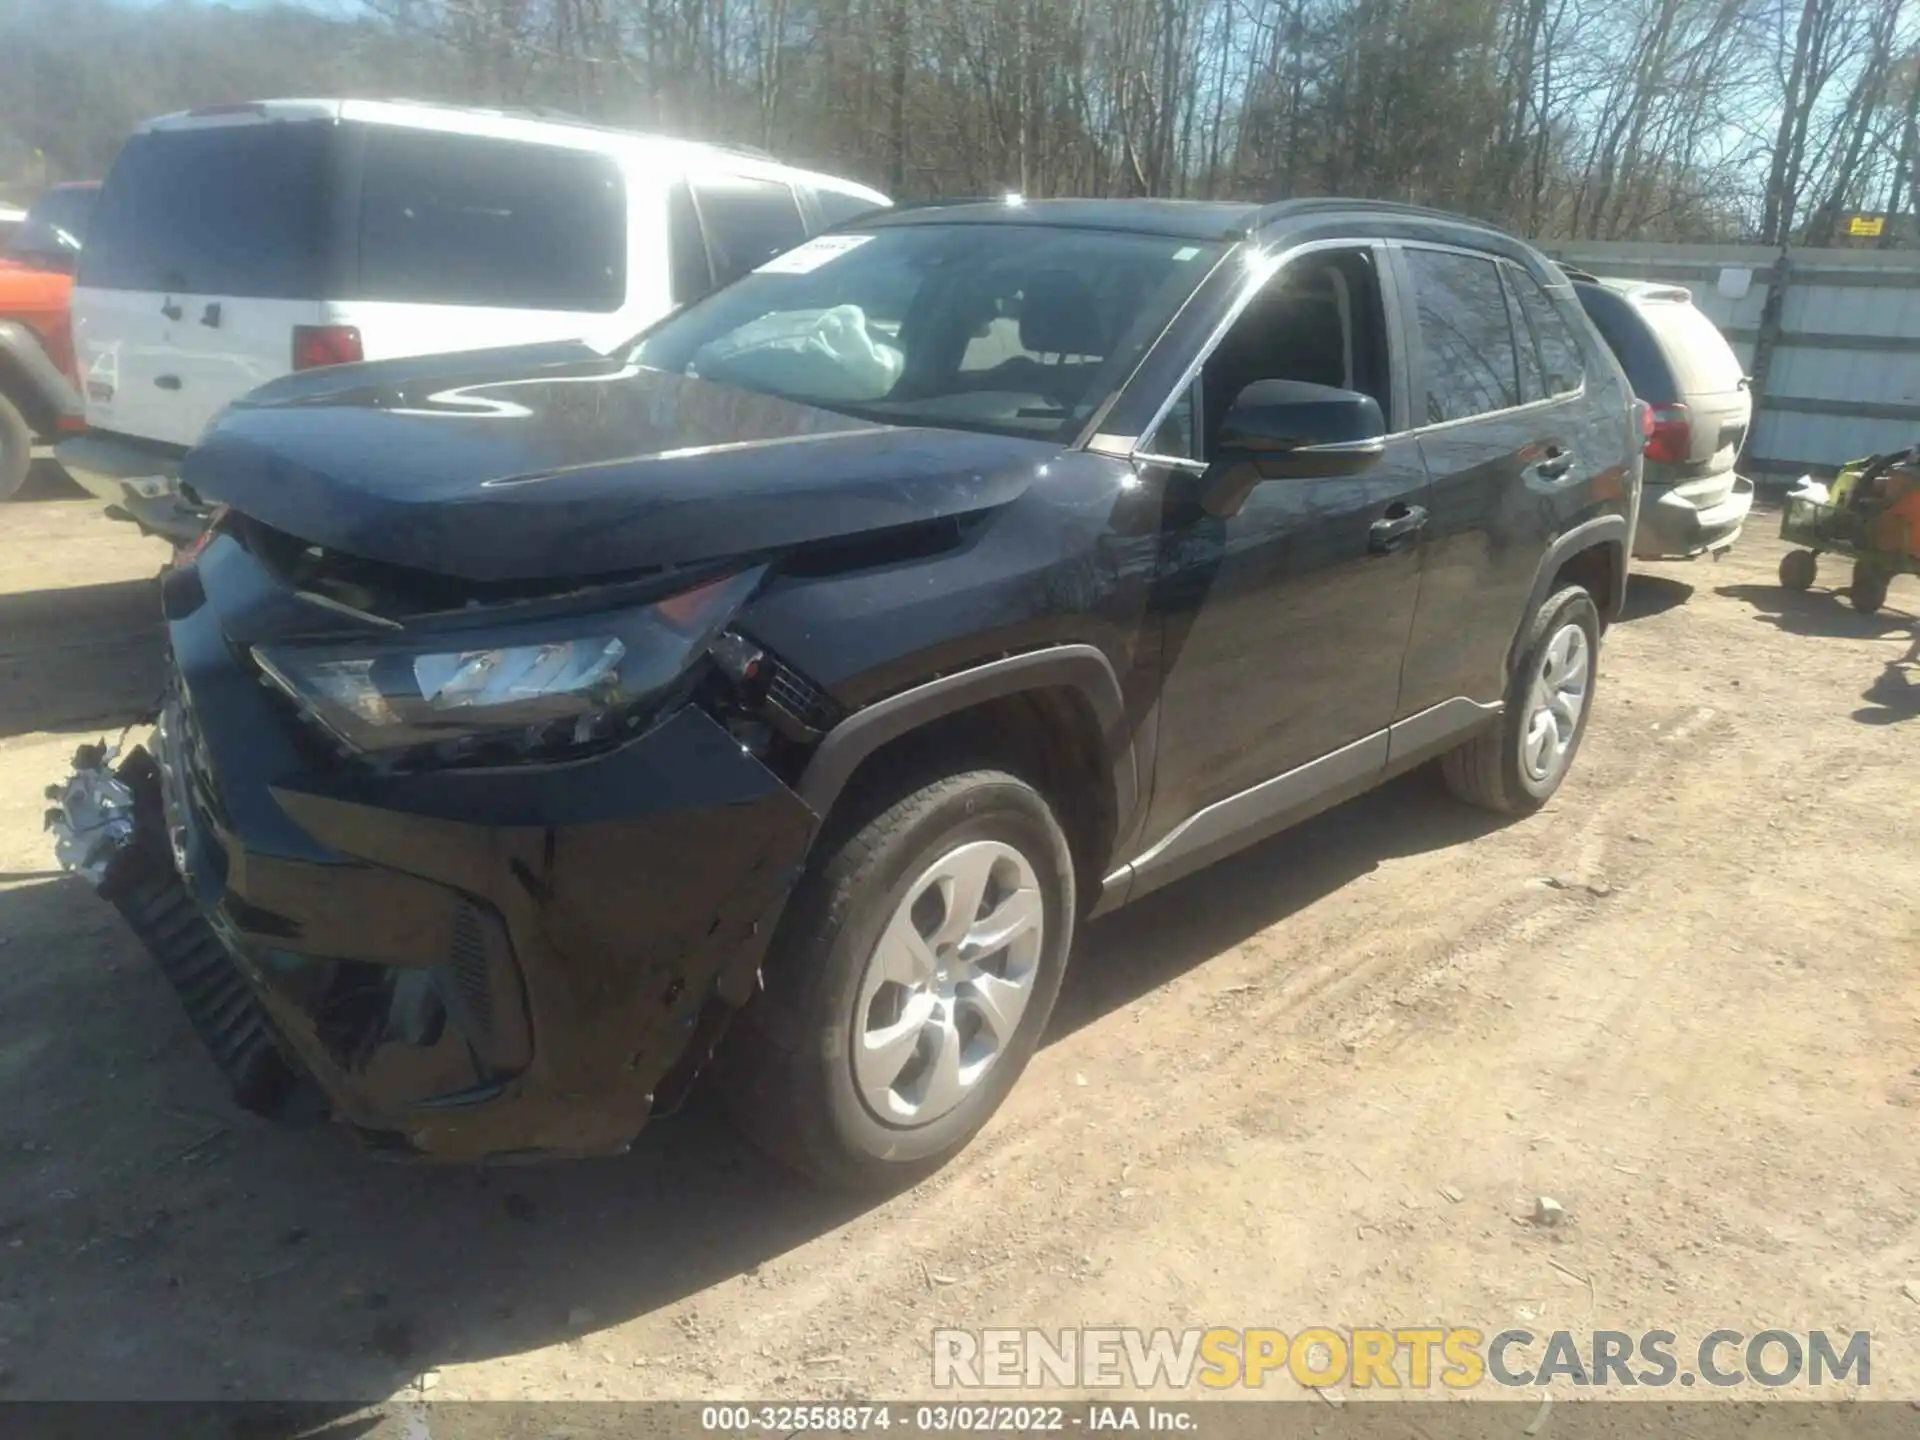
[217, 210]
[462, 220]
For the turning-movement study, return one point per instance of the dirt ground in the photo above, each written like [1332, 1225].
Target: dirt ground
[1684, 1002]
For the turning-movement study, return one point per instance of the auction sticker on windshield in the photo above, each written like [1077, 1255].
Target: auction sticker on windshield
[804, 259]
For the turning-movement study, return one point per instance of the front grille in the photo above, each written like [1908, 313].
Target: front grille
[479, 983]
[467, 961]
[190, 801]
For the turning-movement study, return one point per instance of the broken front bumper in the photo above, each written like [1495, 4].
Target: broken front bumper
[137, 482]
[470, 964]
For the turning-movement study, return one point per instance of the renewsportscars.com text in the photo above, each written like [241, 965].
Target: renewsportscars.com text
[1411, 1357]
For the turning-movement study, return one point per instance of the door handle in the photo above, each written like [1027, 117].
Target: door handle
[1394, 529]
[171, 310]
[167, 382]
[211, 315]
[1556, 465]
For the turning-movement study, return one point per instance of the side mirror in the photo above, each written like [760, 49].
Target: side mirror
[1290, 430]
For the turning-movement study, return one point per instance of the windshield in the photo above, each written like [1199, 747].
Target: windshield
[1018, 329]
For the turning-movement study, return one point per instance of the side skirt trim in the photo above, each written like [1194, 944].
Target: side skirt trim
[1255, 813]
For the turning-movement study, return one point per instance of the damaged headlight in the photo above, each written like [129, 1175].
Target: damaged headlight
[531, 689]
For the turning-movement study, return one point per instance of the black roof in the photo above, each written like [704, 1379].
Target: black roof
[1180, 219]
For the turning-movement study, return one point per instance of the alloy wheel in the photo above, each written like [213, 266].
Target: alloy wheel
[1555, 703]
[945, 987]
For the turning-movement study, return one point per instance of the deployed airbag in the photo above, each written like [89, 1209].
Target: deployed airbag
[826, 354]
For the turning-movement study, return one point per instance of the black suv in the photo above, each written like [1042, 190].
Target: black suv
[818, 662]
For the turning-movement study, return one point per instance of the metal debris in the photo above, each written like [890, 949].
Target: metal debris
[93, 821]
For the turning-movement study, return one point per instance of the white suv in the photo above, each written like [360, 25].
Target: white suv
[1699, 407]
[234, 244]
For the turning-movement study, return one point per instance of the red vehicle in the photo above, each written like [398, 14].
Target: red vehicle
[39, 388]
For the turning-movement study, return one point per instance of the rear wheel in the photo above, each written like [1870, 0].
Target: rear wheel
[1798, 569]
[16, 449]
[910, 983]
[1516, 766]
[1869, 589]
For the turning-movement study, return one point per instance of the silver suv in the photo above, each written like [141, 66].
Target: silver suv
[1699, 405]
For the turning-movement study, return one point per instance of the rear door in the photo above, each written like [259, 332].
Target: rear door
[207, 247]
[1506, 460]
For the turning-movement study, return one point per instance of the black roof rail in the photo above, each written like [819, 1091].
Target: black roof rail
[936, 202]
[1275, 209]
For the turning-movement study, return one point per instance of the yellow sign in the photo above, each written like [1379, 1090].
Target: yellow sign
[1867, 225]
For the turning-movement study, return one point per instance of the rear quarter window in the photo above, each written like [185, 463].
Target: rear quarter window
[1633, 344]
[217, 210]
[747, 222]
[1702, 360]
[464, 220]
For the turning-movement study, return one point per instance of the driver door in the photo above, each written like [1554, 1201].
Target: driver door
[1286, 624]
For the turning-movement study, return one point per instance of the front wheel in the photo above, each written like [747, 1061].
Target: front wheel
[909, 985]
[1798, 568]
[1515, 767]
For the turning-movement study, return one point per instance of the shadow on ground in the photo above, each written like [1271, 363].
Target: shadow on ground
[1895, 695]
[81, 657]
[1816, 612]
[47, 481]
[151, 1225]
[1650, 595]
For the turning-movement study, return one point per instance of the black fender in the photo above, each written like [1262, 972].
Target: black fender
[30, 379]
[1080, 667]
[1612, 531]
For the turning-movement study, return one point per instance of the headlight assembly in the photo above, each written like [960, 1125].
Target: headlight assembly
[529, 689]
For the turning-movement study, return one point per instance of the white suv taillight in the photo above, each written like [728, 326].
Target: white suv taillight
[1670, 434]
[318, 345]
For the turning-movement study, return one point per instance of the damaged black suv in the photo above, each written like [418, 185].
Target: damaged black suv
[782, 690]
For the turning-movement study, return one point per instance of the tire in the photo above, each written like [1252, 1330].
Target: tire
[1799, 569]
[16, 449]
[1869, 589]
[1495, 769]
[790, 1070]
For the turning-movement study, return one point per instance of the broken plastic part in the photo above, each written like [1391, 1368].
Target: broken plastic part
[94, 820]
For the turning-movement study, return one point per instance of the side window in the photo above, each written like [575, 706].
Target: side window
[466, 220]
[690, 274]
[1559, 351]
[1533, 381]
[1319, 320]
[1471, 365]
[748, 222]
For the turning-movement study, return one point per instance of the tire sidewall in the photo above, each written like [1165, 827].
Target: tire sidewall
[1000, 808]
[1570, 605]
[16, 449]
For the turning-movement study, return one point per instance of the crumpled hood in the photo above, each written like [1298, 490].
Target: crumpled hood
[552, 461]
